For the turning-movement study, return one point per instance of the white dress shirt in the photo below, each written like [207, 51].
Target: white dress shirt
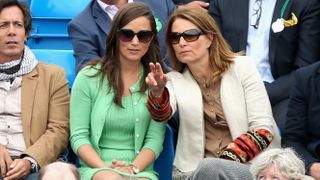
[111, 10]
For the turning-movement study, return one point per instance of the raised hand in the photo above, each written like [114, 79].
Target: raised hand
[156, 79]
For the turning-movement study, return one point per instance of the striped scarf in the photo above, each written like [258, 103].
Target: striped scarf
[28, 63]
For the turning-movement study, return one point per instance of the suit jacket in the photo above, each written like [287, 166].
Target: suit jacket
[302, 126]
[88, 31]
[244, 102]
[45, 112]
[294, 47]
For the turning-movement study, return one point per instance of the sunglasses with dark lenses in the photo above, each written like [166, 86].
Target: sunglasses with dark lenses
[126, 35]
[188, 35]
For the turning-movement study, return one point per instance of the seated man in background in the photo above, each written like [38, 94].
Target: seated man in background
[88, 31]
[34, 100]
[303, 120]
[59, 170]
[282, 36]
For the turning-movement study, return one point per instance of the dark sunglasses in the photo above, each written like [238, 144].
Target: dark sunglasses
[188, 35]
[126, 35]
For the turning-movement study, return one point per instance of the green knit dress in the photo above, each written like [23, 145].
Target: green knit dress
[120, 133]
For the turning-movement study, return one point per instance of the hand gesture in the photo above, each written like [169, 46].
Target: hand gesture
[156, 79]
[5, 160]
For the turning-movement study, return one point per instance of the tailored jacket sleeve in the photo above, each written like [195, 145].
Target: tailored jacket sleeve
[297, 133]
[84, 45]
[80, 111]
[280, 88]
[256, 112]
[49, 125]
[154, 137]
[309, 34]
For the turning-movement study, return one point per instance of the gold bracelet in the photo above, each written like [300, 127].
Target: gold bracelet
[159, 96]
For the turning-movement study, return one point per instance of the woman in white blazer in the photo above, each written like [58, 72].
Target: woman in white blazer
[224, 110]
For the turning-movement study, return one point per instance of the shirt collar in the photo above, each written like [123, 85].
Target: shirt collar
[105, 6]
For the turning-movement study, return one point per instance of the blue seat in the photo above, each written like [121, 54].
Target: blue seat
[164, 164]
[63, 58]
[57, 9]
[49, 22]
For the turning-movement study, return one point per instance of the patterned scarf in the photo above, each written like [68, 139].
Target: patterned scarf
[24, 65]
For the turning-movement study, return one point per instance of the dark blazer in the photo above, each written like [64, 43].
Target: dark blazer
[88, 31]
[302, 130]
[294, 47]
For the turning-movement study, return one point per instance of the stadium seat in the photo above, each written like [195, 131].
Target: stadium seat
[164, 164]
[50, 20]
[63, 58]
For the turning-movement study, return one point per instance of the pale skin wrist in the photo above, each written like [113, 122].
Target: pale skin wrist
[157, 94]
[90, 156]
[144, 159]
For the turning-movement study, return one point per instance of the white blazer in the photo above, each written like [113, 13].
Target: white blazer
[244, 101]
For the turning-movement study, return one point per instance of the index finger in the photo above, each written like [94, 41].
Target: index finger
[152, 67]
[158, 68]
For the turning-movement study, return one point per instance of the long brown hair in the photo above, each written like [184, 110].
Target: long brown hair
[220, 54]
[111, 61]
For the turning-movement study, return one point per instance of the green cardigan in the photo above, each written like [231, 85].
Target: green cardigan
[88, 96]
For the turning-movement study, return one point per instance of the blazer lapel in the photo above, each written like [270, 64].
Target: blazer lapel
[101, 18]
[240, 8]
[274, 36]
[29, 84]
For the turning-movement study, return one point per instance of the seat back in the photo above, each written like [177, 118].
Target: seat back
[164, 164]
[62, 58]
[50, 21]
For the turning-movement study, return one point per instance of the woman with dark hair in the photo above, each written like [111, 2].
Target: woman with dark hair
[224, 111]
[111, 129]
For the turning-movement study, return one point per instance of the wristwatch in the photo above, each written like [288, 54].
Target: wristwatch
[134, 168]
[34, 165]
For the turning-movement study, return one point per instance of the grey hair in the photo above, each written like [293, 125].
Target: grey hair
[285, 159]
